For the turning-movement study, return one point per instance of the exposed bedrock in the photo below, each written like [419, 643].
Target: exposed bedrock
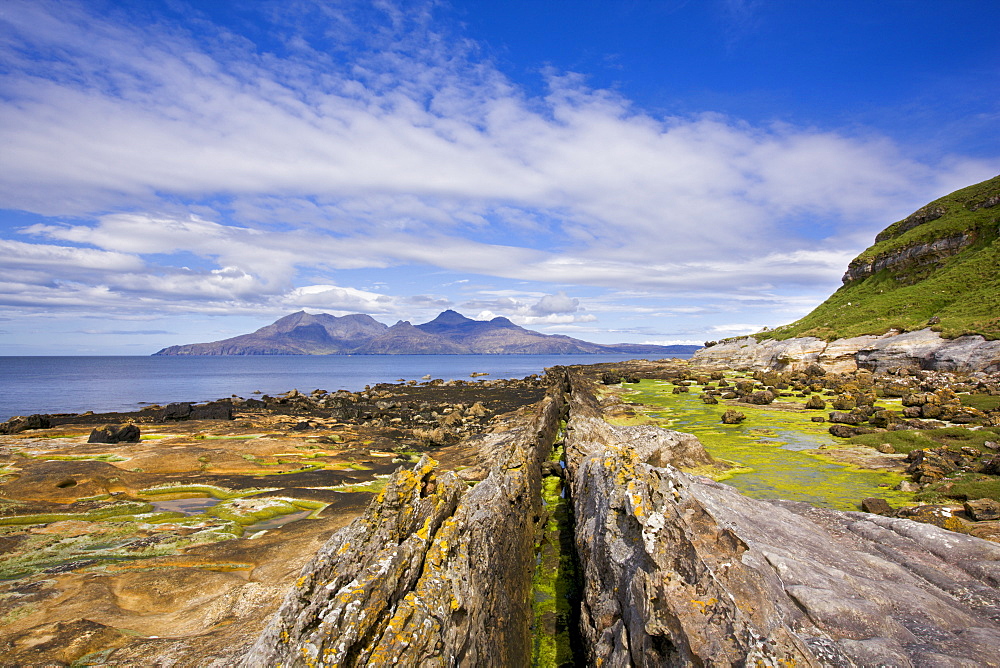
[434, 573]
[680, 570]
[922, 349]
[676, 570]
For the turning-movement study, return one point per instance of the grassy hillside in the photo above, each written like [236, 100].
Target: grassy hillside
[939, 267]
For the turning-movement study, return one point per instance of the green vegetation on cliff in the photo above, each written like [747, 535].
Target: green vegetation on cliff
[938, 267]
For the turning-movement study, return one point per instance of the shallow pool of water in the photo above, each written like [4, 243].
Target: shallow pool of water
[773, 445]
[276, 522]
[189, 506]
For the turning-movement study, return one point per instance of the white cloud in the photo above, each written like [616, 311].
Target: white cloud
[18, 254]
[148, 144]
[555, 304]
[734, 329]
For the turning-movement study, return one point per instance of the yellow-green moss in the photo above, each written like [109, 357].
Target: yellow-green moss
[779, 462]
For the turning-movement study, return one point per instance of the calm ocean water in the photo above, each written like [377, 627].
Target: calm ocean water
[104, 384]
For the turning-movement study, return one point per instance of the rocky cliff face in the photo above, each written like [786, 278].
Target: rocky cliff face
[911, 261]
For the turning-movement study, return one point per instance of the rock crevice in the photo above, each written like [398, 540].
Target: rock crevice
[676, 569]
[434, 573]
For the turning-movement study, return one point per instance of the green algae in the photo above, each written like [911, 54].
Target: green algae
[110, 542]
[372, 486]
[907, 440]
[118, 511]
[78, 458]
[213, 491]
[774, 450]
[555, 584]
[252, 511]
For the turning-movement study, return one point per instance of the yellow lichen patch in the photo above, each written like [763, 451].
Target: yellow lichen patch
[702, 605]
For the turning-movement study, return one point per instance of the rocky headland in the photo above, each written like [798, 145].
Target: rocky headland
[533, 522]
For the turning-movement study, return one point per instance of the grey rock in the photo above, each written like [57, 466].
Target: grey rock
[876, 506]
[434, 573]
[681, 570]
[922, 349]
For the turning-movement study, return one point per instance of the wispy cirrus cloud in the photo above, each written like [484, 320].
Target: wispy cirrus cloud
[184, 167]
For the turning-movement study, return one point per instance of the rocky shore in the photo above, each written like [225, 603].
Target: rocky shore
[494, 523]
[922, 349]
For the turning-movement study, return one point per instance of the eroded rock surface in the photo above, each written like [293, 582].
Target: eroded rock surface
[434, 573]
[922, 349]
[680, 570]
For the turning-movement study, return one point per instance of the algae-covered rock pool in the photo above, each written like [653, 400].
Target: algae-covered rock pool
[774, 449]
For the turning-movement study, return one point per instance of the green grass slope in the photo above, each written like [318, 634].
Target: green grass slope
[939, 267]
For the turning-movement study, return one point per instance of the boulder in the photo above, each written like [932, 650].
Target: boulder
[122, 433]
[839, 417]
[815, 402]
[876, 506]
[732, 416]
[991, 466]
[844, 402]
[175, 412]
[847, 431]
[216, 410]
[883, 419]
[760, 397]
[983, 510]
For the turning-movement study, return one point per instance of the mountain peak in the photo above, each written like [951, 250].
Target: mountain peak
[449, 317]
[450, 333]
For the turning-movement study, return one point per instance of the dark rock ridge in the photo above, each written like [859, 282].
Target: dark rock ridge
[929, 254]
[933, 252]
[450, 333]
[677, 570]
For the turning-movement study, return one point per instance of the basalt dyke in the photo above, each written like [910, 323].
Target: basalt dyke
[536, 527]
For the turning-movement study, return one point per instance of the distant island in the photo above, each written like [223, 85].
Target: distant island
[450, 333]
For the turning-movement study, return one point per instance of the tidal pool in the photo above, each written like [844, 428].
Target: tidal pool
[771, 447]
[194, 505]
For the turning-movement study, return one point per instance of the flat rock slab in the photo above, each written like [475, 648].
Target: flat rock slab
[682, 570]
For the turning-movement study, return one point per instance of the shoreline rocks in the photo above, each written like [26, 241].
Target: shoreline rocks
[923, 349]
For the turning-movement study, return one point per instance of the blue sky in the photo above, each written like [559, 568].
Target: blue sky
[636, 171]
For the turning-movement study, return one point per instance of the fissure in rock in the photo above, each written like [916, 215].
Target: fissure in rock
[556, 586]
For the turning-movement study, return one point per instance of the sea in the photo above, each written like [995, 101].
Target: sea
[31, 385]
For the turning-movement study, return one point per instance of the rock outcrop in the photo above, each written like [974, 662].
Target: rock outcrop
[434, 573]
[680, 570]
[935, 268]
[922, 349]
[675, 569]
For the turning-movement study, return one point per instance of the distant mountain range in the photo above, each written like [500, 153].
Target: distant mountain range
[450, 333]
